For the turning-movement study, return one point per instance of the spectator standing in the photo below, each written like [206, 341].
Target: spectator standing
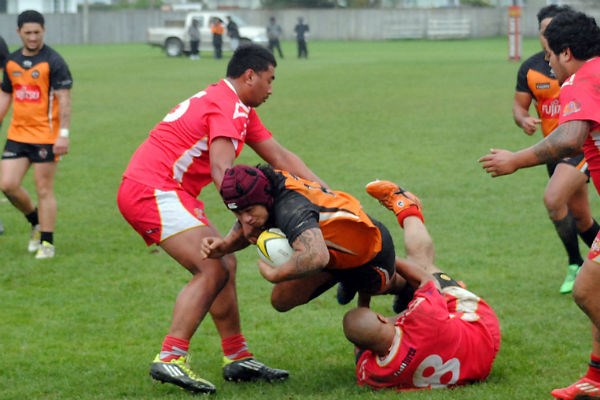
[194, 35]
[38, 134]
[301, 30]
[233, 32]
[274, 32]
[217, 29]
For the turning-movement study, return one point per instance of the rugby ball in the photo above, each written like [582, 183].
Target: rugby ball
[273, 247]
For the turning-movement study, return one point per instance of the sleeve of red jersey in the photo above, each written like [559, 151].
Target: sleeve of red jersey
[256, 131]
[578, 104]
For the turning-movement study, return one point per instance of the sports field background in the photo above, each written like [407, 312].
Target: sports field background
[87, 324]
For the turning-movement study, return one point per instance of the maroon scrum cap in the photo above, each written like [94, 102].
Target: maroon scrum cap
[244, 186]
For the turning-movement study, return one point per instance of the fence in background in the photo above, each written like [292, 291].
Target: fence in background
[130, 26]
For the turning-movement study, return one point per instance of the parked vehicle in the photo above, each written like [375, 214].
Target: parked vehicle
[174, 39]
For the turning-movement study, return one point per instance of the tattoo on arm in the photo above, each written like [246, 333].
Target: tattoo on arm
[308, 247]
[566, 140]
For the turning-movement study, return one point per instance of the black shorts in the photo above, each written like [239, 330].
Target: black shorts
[577, 161]
[373, 276]
[36, 153]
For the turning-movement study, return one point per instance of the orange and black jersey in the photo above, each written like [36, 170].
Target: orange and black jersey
[351, 236]
[32, 81]
[536, 78]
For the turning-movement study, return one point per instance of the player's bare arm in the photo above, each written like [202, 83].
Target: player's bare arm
[61, 146]
[281, 158]
[216, 247]
[310, 256]
[222, 156]
[521, 105]
[566, 140]
[5, 101]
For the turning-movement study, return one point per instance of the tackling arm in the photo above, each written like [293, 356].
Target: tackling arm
[281, 158]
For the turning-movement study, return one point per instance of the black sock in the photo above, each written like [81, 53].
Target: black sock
[32, 217]
[47, 237]
[589, 235]
[567, 232]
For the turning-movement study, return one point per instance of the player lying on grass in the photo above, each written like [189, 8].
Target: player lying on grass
[333, 239]
[446, 337]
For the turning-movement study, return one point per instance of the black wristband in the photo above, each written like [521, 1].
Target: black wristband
[444, 280]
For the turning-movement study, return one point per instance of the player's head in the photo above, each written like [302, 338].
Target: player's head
[30, 28]
[30, 16]
[575, 31]
[250, 56]
[550, 12]
[252, 72]
[368, 330]
[244, 186]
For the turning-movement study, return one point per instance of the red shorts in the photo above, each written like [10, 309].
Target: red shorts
[156, 214]
[594, 253]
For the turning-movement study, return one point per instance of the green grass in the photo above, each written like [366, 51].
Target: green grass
[86, 324]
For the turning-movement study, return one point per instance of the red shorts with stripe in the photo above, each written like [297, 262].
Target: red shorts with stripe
[156, 214]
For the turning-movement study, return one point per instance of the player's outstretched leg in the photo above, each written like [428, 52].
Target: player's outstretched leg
[398, 200]
[250, 369]
[178, 372]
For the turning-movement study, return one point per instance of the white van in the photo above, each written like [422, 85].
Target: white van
[174, 39]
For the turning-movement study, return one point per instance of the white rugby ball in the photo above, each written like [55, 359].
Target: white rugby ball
[273, 247]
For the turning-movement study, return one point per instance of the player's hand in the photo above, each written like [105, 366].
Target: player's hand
[498, 162]
[61, 146]
[267, 271]
[530, 124]
[211, 247]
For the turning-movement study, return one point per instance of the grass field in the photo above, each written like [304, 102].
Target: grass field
[86, 324]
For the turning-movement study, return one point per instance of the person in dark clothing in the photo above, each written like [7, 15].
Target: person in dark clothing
[301, 30]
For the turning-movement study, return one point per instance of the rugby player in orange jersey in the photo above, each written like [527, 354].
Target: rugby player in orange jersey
[37, 81]
[334, 240]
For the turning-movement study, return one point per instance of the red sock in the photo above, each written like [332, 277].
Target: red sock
[173, 348]
[410, 211]
[235, 347]
[593, 372]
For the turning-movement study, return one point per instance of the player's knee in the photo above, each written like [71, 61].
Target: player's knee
[553, 205]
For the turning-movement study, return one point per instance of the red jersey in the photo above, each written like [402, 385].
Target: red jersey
[442, 340]
[176, 153]
[580, 101]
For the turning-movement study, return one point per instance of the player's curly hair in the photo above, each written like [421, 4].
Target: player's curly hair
[575, 31]
[551, 11]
